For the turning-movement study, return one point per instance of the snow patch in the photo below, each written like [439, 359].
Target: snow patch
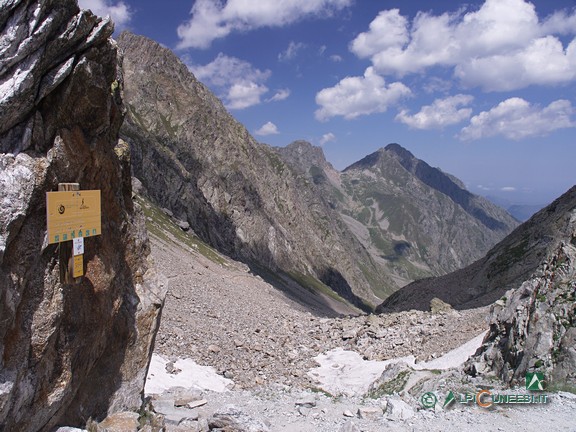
[191, 375]
[344, 372]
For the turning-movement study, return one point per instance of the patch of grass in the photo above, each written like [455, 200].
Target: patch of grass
[378, 240]
[160, 225]
[395, 385]
[365, 216]
[314, 285]
[510, 256]
[565, 387]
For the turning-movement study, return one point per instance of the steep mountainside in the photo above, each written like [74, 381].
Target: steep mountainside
[506, 266]
[68, 352]
[533, 327]
[415, 220]
[194, 159]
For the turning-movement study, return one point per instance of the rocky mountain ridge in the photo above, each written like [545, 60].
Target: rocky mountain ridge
[194, 159]
[415, 220]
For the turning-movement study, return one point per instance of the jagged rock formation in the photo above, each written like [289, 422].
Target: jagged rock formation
[196, 160]
[533, 327]
[506, 266]
[415, 220]
[67, 352]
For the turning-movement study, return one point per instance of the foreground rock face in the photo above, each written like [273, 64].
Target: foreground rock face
[533, 328]
[67, 352]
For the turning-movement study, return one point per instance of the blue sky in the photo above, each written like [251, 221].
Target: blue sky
[485, 90]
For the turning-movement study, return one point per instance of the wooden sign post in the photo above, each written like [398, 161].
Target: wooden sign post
[72, 215]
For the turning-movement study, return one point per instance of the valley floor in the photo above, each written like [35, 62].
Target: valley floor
[219, 314]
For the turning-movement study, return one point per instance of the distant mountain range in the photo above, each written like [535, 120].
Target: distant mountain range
[522, 212]
[364, 232]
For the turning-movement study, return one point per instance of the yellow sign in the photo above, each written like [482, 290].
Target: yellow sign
[78, 266]
[73, 214]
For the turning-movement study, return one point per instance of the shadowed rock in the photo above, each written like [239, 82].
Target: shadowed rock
[67, 352]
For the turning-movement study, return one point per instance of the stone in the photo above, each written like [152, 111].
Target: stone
[370, 413]
[215, 349]
[349, 334]
[350, 426]
[69, 429]
[184, 226]
[437, 306]
[119, 422]
[196, 403]
[397, 409]
[68, 353]
[173, 415]
[231, 418]
[348, 413]
[308, 402]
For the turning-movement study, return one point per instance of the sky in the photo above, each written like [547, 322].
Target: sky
[484, 90]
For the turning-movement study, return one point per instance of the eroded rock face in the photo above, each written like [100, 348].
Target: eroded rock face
[533, 327]
[67, 352]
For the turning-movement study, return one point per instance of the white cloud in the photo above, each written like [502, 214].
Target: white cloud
[119, 11]
[291, 52]
[212, 20]
[244, 94]
[544, 61]
[280, 95]
[356, 96]
[516, 118]
[336, 58]
[388, 30]
[327, 137]
[442, 112]
[236, 81]
[268, 128]
[501, 46]
[508, 189]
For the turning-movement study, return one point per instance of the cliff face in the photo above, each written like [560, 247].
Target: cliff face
[533, 327]
[67, 352]
[237, 194]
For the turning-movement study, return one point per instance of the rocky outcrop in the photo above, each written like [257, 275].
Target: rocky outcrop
[506, 266]
[533, 327]
[238, 195]
[67, 352]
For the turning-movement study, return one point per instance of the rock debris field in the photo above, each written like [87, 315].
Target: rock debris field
[233, 353]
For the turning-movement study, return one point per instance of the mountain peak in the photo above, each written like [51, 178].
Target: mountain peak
[399, 150]
[303, 154]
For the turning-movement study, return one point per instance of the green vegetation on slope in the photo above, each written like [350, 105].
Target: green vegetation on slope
[160, 225]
